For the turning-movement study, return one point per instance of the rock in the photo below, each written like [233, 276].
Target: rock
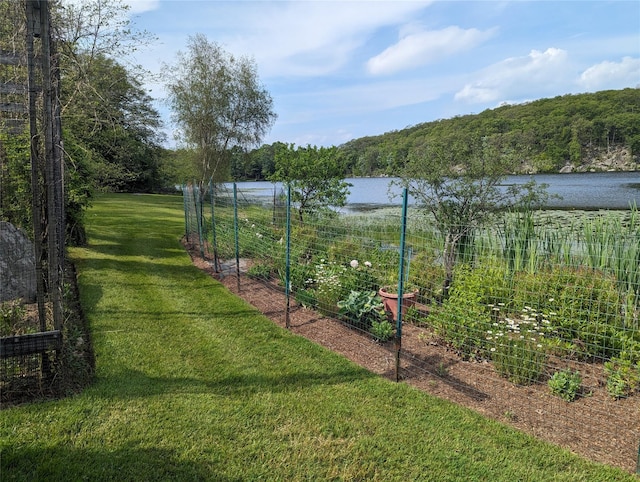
[17, 264]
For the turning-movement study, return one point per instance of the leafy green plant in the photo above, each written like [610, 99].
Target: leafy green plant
[259, 271]
[565, 384]
[362, 308]
[466, 316]
[11, 314]
[520, 360]
[328, 285]
[306, 298]
[583, 306]
[623, 375]
[382, 330]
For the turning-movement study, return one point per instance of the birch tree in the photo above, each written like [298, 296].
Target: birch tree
[218, 103]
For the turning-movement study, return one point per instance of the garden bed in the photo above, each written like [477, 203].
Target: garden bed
[594, 425]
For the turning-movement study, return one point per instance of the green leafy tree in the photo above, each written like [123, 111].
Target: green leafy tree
[218, 103]
[113, 128]
[459, 183]
[315, 176]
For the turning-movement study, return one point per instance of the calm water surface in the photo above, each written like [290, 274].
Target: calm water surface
[602, 190]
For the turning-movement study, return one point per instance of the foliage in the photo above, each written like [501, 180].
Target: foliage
[15, 181]
[12, 313]
[112, 132]
[565, 384]
[260, 271]
[465, 317]
[428, 274]
[545, 135]
[315, 176]
[218, 103]
[110, 129]
[382, 330]
[362, 308]
[623, 375]
[520, 360]
[459, 183]
[582, 304]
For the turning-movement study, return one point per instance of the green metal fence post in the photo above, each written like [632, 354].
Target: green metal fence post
[403, 229]
[216, 264]
[197, 204]
[235, 228]
[288, 260]
[185, 205]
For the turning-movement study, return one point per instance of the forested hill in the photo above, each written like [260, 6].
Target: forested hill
[571, 133]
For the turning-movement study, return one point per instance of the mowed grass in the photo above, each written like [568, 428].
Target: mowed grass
[194, 384]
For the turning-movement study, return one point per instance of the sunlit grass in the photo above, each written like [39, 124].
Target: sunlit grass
[194, 384]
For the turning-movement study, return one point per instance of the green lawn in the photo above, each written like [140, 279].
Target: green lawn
[194, 384]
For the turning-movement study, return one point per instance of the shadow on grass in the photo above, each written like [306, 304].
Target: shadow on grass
[136, 384]
[132, 462]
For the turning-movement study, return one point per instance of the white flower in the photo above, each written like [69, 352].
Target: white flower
[367, 264]
[493, 349]
[259, 235]
[354, 263]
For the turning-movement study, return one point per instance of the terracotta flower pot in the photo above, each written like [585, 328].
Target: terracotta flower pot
[389, 297]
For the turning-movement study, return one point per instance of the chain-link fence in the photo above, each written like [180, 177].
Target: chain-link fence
[535, 320]
[34, 282]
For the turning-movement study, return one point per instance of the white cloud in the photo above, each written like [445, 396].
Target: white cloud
[313, 38]
[612, 75]
[140, 6]
[423, 47]
[531, 75]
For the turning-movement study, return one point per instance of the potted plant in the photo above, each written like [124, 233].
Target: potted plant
[390, 295]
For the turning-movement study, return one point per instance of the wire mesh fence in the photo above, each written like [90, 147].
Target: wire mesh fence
[538, 305]
[34, 278]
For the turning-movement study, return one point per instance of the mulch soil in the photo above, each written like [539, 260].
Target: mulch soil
[594, 426]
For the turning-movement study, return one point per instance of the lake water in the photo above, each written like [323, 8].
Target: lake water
[601, 190]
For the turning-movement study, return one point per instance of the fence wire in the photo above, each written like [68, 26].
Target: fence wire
[541, 304]
[32, 219]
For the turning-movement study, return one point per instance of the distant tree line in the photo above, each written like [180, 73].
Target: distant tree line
[545, 135]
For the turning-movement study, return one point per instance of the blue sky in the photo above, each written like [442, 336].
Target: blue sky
[340, 70]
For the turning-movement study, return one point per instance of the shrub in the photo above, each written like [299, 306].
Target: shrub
[261, 271]
[428, 274]
[362, 308]
[466, 316]
[623, 375]
[306, 298]
[520, 360]
[565, 384]
[12, 313]
[328, 285]
[382, 330]
[583, 304]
